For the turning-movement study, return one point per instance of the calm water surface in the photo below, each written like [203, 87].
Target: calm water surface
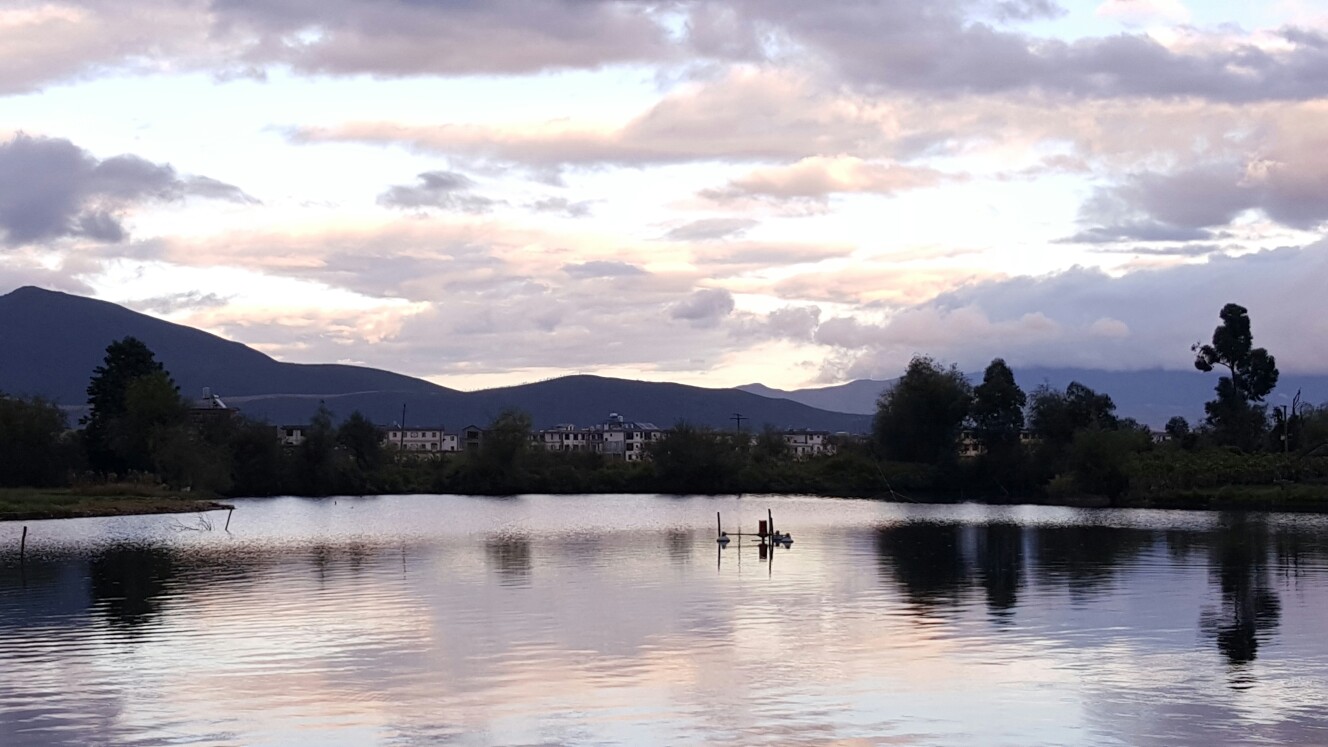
[592, 620]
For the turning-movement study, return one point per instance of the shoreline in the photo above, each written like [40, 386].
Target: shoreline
[39, 505]
[18, 504]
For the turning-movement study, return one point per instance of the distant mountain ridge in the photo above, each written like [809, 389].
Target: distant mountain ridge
[52, 341]
[1150, 396]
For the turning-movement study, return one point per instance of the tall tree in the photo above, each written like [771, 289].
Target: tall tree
[126, 361]
[998, 409]
[919, 418]
[315, 463]
[1236, 415]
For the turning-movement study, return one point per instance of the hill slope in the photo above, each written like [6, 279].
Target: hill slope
[53, 341]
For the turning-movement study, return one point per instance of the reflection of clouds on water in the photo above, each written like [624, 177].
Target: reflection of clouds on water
[882, 622]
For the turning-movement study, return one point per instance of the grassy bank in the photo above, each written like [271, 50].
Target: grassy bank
[1312, 498]
[98, 500]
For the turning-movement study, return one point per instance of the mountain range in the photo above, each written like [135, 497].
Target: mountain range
[52, 341]
[1150, 396]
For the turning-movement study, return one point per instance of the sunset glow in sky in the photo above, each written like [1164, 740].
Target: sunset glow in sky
[715, 192]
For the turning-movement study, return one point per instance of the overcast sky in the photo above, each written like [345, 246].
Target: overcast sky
[715, 192]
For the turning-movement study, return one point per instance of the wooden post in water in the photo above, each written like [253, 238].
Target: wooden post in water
[228, 517]
[719, 526]
[23, 545]
[771, 517]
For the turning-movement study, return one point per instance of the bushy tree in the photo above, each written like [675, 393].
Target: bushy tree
[691, 459]
[998, 409]
[126, 361]
[1179, 432]
[1054, 416]
[315, 467]
[1236, 416]
[257, 461]
[363, 440]
[34, 450]
[154, 421]
[919, 418]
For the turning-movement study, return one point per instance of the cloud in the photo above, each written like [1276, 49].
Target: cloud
[1136, 231]
[579, 209]
[816, 177]
[1286, 185]
[52, 189]
[937, 48]
[704, 308]
[602, 269]
[404, 37]
[744, 116]
[709, 229]
[171, 303]
[448, 190]
[1026, 10]
[942, 47]
[794, 322]
[1085, 318]
[1144, 11]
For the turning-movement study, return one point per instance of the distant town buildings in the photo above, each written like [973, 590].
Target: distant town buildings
[616, 437]
[431, 438]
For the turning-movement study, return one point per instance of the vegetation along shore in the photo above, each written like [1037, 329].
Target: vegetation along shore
[26, 504]
[935, 437]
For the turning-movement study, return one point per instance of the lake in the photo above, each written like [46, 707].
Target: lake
[598, 620]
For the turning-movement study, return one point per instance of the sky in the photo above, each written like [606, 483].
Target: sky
[713, 192]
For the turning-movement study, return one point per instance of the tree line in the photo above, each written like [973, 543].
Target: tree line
[934, 434]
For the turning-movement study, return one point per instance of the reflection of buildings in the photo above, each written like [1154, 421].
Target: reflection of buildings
[510, 557]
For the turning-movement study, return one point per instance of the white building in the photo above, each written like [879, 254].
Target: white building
[564, 437]
[626, 439]
[614, 437]
[429, 438]
[807, 443]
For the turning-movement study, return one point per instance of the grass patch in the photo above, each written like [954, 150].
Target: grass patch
[98, 500]
[1285, 497]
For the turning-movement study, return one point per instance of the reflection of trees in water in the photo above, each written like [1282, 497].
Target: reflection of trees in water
[1000, 558]
[1249, 608]
[926, 560]
[1085, 558]
[128, 582]
[509, 555]
[936, 563]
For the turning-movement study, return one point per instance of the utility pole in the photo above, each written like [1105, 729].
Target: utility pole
[738, 418]
[1286, 431]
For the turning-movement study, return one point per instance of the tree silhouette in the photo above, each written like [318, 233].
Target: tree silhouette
[918, 419]
[126, 361]
[1235, 415]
